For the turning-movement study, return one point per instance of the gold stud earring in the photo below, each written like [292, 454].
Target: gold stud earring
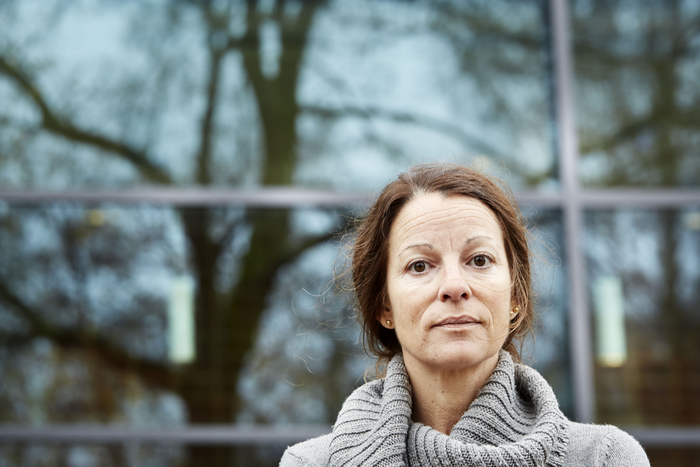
[388, 322]
[515, 310]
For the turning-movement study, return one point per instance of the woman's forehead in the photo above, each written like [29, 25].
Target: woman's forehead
[434, 213]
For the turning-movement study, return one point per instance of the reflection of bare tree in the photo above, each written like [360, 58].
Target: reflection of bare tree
[509, 60]
[639, 122]
[228, 320]
[61, 126]
[634, 72]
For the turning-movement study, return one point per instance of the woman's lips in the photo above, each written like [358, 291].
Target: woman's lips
[456, 321]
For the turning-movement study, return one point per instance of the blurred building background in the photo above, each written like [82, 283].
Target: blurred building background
[176, 178]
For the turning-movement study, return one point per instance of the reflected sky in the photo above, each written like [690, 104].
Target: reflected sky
[637, 92]
[380, 86]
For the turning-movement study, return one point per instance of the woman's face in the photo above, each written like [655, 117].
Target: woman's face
[448, 283]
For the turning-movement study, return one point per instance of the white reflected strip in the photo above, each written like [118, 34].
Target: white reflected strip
[181, 332]
[609, 305]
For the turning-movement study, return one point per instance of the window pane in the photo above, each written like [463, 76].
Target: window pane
[644, 276]
[549, 353]
[673, 457]
[637, 92]
[150, 315]
[336, 94]
[159, 317]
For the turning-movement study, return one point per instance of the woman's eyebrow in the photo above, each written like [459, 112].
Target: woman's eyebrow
[416, 245]
[430, 246]
[477, 237]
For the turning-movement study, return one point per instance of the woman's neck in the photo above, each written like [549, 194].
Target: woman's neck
[440, 397]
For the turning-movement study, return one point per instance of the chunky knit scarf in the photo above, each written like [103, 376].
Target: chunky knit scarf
[515, 421]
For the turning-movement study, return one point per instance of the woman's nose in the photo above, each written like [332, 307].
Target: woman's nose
[454, 285]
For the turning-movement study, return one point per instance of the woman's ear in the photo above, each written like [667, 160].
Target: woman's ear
[386, 319]
[514, 310]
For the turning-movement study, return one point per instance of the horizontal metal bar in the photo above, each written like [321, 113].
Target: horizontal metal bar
[292, 197]
[256, 435]
[193, 434]
[268, 197]
[666, 436]
[289, 197]
[641, 198]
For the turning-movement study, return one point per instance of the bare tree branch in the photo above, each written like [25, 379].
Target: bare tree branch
[151, 371]
[219, 42]
[303, 246]
[632, 129]
[204, 156]
[10, 339]
[229, 233]
[446, 128]
[295, 252]
[60, 126]
[628, 131]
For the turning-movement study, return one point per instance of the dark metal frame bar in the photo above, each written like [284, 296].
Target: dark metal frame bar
[252, 435]
[290, 197]
[197, 434]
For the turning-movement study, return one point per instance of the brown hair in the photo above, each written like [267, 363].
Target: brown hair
[370, 252]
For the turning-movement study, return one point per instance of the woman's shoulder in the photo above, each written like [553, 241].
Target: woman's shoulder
[312, 452]
[316, 451]
[603, 445]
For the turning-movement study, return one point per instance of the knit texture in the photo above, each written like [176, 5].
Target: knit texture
[514, 421]
[488, 421]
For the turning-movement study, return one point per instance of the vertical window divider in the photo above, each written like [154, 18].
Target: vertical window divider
[567, 149]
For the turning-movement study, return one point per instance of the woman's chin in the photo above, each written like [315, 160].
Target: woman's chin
[458, 356]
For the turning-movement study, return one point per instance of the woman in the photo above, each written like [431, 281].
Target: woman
[441, 270]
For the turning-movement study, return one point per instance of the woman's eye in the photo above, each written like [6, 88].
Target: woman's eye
[481, 261]
[419, 266]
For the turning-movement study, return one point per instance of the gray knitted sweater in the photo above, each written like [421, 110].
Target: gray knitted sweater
[514, 421]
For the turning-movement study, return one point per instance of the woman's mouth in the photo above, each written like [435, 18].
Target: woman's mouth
[456, 321]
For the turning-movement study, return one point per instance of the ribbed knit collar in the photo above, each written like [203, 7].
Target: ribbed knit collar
[514, 421]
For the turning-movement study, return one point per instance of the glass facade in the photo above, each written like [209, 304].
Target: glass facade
[179, 182]
[648, 372]
[337, 95]
[132, 320]
[637, 92]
